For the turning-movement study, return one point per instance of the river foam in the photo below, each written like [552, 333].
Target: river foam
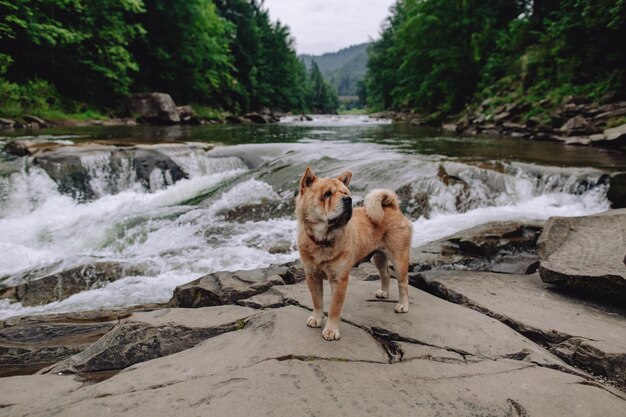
[178, 232]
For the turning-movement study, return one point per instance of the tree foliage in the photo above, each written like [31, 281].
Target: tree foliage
[437, 56]
[220, 53]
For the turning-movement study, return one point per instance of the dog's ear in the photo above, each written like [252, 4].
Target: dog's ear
[307, 179]
[345, 177]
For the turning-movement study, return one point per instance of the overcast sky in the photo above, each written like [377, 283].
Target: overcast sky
[328, 25]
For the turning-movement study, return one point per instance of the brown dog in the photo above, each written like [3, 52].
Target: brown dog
[332, 238]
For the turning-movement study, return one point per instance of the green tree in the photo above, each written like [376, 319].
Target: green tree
[81, 47]
[185, 51]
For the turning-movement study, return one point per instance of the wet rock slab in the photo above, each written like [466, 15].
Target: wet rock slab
[276, 366]
[150, 335]
[585, 253]
[584, 333]
[502, 246]
[60, 285]
[229, 287]
[30, 343]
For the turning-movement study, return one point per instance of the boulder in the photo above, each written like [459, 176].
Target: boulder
[34, 120]
[222, 288]
[271, 209]
[585, 253]
[413, 204]
[74, 166]
[611, 138]
[148, 335]
[617, 190]
[585, 334]
[61, 285]
[6, 123]
[577, 125]
[257, 118]
[154, 108]
[506, 247]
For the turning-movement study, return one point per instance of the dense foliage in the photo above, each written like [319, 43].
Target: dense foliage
[437, 56]
[222, 53]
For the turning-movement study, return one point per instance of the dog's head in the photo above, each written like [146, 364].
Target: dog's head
[324, 203]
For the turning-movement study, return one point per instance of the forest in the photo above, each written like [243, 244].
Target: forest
[87, 56]
[437, 57]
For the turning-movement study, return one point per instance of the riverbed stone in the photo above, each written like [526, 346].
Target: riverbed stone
[587, 334]
[30, 343]
[61, 285]
[484, 247]
[148, 335]
[617, 190]
[154, 108]
[222, 288]
[585, 253]
[274, 365]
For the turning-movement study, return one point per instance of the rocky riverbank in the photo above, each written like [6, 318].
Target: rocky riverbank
[490, 332]
[575, 122]
[148, 108]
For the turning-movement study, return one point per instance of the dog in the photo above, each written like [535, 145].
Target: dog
[333, 237]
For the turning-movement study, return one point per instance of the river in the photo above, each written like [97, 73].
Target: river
[179, 232]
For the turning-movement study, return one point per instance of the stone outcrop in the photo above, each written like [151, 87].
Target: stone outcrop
[585, 253]
[438, 359]
[30, 343]
[617, 191]
[154, 108]
[229, 287]
[61, 285]
[150, 335]
[506, 247]
[587, 334]
[472, 343]
[74, 166]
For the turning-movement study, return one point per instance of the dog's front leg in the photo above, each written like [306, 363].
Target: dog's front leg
[317, 295]
[338, 287]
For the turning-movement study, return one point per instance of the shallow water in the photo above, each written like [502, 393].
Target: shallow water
[178, 232]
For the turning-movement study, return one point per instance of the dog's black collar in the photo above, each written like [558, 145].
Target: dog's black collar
[325, 243]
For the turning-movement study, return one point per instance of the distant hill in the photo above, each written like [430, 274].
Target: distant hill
[343, 69]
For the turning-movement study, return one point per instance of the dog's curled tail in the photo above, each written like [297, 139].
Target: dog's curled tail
[376, 201]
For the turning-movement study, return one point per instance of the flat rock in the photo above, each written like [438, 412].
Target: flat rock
[480, 247]
[583, 333]
[585, 253]
[30, 343]
[61, 285]
[149, 335]
[430, 321]
[276, 366]
[222, 288]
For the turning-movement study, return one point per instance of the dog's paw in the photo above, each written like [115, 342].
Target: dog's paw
[314, 321]
[402, 308]
[331, 334]
[382, 294]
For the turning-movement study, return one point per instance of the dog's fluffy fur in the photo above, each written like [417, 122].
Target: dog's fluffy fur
[332, 238]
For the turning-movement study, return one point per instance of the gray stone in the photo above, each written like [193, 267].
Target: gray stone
[155, 108]
[617, 190]
[585, 253]
[585, 334]
[30, 343]
[222, 288]
[480, 247]
[61, 285]
[145, 336]
[35, 120]
[276, 366]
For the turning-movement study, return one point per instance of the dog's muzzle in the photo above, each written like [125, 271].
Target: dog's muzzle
[344, 217]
